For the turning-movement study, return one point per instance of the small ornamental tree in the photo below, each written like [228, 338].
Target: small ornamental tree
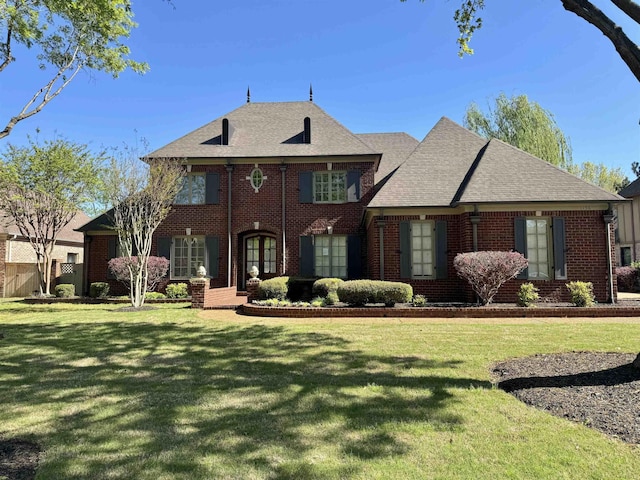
[121, 267]
[487, 271]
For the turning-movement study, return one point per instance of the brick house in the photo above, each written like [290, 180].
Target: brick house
[287, 188]
[628, 231]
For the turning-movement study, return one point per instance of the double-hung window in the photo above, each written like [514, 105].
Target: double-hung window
[542, 240]
[330, 187]
[188, 254]
[193, 190]
[422, 236]
[538, 251]
[330, 254]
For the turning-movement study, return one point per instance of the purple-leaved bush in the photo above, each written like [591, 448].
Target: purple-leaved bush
[487, 271]
[157, 268]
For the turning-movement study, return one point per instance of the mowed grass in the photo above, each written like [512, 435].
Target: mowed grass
[175, 393]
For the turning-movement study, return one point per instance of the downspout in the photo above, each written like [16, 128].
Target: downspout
[283, 170]
[381, 224]
[475, 220]
[608, 219]
[633, 232]
[85, 264]
[229, 171]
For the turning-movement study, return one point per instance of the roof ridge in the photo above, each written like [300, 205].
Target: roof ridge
[469, 175]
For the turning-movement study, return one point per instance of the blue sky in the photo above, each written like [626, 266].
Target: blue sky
[376, 66]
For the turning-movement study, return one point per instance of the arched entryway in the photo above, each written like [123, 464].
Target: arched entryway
[259, 249]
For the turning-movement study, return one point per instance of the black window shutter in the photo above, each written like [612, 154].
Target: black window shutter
[164, 249]
[212, 244]
[307, 262]
[353, 185]
[520, 237]
[354, 254]
[559, 249]
[212, 189]
[405, 250]
[112, 242]
[441, 249]
[305, 187]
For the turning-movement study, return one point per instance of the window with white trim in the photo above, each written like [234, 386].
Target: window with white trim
[422, 239]
[187, 254]
[538, 248]
[193, 190]
[330, 187]
[330, 254]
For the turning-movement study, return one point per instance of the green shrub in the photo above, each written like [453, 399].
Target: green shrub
[273, 288]
[299, 288]
[317, 302]
[528, 295]
[361, 292]
[99, 290]
[324, 286]
[65, 290]
[331, 299]
[154, 296]
[176, 290]
[581, 293]
[419, 301]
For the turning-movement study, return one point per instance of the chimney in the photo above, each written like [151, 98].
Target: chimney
[306, 135]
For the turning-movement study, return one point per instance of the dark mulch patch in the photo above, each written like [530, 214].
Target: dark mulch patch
[600, 390]
[18, 459]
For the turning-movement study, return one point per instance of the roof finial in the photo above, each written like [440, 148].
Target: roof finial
[310, 92]
[248, 95]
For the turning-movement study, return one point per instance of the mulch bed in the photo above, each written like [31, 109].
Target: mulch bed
[18, 459]
[599, 390]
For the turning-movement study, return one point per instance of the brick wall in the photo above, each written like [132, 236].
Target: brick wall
[585, 243]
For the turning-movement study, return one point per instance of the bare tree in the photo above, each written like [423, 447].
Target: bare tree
[141, 195]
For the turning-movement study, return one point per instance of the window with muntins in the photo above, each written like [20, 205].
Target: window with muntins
[422, 249]
[188, 253]
[193, 190]
[329, 187]
[538, 248]
[330, 253]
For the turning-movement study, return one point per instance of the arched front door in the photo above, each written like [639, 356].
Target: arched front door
[259, 250]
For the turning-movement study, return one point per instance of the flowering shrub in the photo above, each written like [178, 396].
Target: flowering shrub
[627, 277]
[157, 268]
[487, 271]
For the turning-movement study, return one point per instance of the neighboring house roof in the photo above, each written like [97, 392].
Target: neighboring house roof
[631, 190]
[453, 165]
[67, 234]
[395, 148]
[271, 129]
[101, 222]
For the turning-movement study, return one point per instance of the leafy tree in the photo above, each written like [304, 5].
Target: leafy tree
[41, 188]
[121, 268]
[66, 37]
[468, 21]
[141, 195]
[526, 125]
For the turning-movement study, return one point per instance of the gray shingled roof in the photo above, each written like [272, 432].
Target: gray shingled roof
[395, 148]
[68, 233]
[631, 190]
[453, 165]
[271, 129]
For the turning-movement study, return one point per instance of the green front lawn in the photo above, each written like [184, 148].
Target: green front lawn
[174, 394]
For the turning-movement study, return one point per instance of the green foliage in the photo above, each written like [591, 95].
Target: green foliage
[581, 294]
[65, 290]
[155, 296]
[317, 302]
[528, 295]
[361, 292]
[65, 37]
[324, 286]
[609, 178]
[176, 290]
[99, 290]
[331, 299]
[419, 301]
[276, 288]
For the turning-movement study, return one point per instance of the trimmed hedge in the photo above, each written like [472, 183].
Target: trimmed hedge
[65, 290]
[361, 292]
[99, 290]
[324, 286]
[274, 288]
[176, 290]
[627, 278]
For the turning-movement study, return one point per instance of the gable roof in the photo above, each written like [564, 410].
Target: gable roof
[453, 165]
[67, 234]
[631, 190]
[395, 148]
[269, 129]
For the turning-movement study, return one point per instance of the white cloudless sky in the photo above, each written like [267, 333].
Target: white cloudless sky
[376, 66]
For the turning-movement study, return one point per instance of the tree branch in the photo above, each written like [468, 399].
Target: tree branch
[7, 50]
[631, 8]
[626, 48]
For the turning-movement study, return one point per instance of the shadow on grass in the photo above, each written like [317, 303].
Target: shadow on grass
[143, 399]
